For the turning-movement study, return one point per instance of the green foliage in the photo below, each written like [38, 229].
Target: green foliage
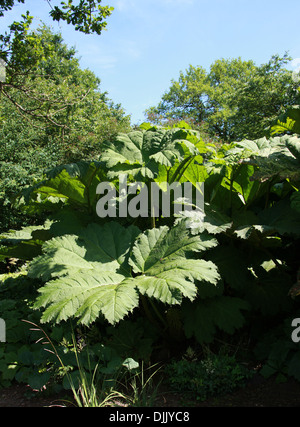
[151, 285]
[279, 352]
[116, 292]
[140, 153]
[19, 356]
[205, 317]
[275, 157]
[52, 113]
[95, 270]
[289, 122]
[235, 100]
[88, 16]
[110, 269]
[51, 88]
[210, 377]
[72, 186]
[28, 356]
[90, 269]
[7, 5]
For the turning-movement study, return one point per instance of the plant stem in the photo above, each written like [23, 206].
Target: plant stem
[159, 322]
[148, 312]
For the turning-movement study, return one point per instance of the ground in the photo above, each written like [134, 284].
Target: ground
[257, 393]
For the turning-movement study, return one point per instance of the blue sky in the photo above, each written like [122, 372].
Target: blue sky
[148, 42]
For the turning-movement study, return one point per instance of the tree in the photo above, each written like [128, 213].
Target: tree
[60, 99]
[24, 51]
[236, 99]
[88, 16]
[54, 114]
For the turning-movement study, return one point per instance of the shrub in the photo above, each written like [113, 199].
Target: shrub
[209, 377]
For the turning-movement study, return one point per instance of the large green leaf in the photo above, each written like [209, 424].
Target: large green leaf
[167, 274]
[293, 144]
[227, 258]
[223, 312]
[262, 147]
[282, 218]
[93, 273]
[73, 184]
[97, 246]
[62, 255]
[160, 246]
[85, 295]
[268, 293]
[288, 122]
[211, 220]
[295, 201]
[139, 153]
[174, 280]
[26, 243]
[277, 156]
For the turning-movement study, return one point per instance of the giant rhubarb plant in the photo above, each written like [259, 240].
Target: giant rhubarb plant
[95, 267]
[106, 268]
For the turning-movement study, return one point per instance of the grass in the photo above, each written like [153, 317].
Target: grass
[94, 390]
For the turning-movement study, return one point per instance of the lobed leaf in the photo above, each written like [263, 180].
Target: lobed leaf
[86, 295]
[224, 313]
[93, 272]
[139, 153]
[158, 246]
[96, 247]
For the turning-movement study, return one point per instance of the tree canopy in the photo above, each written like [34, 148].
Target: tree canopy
[24, 53]
[52, 112]
[236, 99]
[88, 16]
